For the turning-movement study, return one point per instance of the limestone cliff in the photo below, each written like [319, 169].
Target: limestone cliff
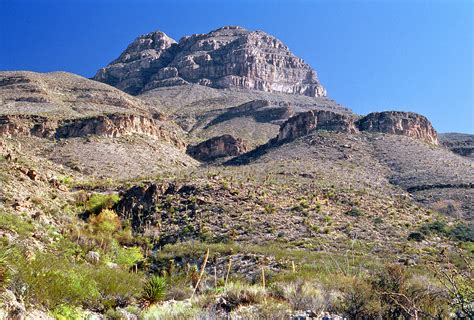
[229, 57]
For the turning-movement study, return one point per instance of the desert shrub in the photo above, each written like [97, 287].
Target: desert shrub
[66, 312]
[462, 232]
[106, 221]
[238, 293]
[355, 212]
[117, 286]
[128, 256]
[459, 231]
[5, 269]
[52, 280]
[15, 222]
[300, 295]
[175, 311]
[416, 236]
[97, 202]
[154, 289]
[358, 300]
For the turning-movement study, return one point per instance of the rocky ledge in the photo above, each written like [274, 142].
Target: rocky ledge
[229, 57]
[401, 123]
[217, 147]
[113, 125]
[391, 122]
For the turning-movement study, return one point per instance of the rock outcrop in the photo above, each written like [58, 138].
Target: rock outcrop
[229, 57]
[305, 122]
[217, 147]
[459, 143]
[113, 125]
[401, 123]
[391, 122]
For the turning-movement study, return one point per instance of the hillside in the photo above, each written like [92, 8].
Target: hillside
[212, 178]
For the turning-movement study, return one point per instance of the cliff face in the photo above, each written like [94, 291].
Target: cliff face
[391, 122]
[229, 57]
[305, 122]
[217, 147]
[114, 125]
[401, 123]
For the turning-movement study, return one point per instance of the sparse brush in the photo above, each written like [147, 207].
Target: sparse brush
[154, 289]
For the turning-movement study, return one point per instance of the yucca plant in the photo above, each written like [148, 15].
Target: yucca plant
[5, 270]
[154, 289]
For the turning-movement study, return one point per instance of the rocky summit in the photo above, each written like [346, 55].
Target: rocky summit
[212, 178]
[226, 58]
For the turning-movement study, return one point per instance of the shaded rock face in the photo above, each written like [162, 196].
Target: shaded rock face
[114, 125]
[401, 123]
[229, 57]
[305, 122]
[459, 143]
[141, 204]
[392, 122]
[217, 147]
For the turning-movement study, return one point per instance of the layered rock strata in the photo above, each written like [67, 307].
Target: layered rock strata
[390, 122]
[226, 58]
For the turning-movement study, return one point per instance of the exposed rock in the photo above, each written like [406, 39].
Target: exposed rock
[217, 147]
[93, 257]
[112, 125]
[229, 57]
[305, 122]
[391, 122]
[462, 144]
[401, 123]
[10, 307]
[117, 125]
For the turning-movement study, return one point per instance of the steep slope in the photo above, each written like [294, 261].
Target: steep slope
[229, 57]
[254, 116]
[74, 120]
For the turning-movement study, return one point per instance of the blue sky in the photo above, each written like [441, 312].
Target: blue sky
[370, 55]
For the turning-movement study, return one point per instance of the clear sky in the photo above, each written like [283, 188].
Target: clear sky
[370, 55]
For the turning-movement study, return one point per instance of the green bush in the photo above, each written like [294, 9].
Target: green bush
[52, 280]
[129, 256]
[155, 289]
[66, 312]
[98, 201]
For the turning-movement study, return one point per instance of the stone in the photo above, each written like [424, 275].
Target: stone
[32, 174]
[402, 123]
[305, 122]
[227, 58]
[14, 309]
[93, 257]
[217, 147]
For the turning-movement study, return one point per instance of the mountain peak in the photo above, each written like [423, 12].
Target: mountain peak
[230, 57]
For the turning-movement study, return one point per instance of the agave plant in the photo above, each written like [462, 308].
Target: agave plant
[154, 289]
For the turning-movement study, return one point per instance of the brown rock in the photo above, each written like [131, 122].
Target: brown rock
[32, 174]
[401, 123]
[217, 147]
[305, 122]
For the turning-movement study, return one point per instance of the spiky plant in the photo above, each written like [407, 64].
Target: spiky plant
[154, 289]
